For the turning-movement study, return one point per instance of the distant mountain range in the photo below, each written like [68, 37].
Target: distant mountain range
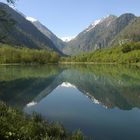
[110, 31]
[103, 33]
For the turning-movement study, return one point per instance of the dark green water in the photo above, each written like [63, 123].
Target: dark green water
[102, 100]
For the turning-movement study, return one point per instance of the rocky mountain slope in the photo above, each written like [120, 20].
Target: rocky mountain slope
[57, 42]
[110, 31]
[23, 33]
[100, 34]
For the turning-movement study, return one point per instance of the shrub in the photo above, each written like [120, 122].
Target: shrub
[14, 125]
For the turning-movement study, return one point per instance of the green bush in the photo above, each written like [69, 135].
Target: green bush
[15, 125]
[78, 135]
[131, 46]
[126, 48]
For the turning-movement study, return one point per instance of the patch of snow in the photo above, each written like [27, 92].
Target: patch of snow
[31, 19]
[31, 104]
[95, 101]
[13, 7]
[68, 38]
[96, 22]
[66, 84]
[93, 25]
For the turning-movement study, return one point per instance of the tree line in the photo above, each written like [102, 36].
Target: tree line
[126, 53]
[10, 55]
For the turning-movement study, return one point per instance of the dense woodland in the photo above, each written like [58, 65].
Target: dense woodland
[124, 54]
[24, 55]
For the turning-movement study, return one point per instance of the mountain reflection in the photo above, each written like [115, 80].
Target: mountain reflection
[108, 85]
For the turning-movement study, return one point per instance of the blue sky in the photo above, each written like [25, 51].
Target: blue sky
[69, 17]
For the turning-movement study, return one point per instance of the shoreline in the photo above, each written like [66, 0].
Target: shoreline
[70, 63]
[96, 63]
[26, 64]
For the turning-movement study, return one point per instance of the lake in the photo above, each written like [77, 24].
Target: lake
[102, 100]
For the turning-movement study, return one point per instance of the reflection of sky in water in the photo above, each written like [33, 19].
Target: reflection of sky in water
[68, 86]
[103, 101]
[74, 109]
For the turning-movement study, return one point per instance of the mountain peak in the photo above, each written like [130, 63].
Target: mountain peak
[127, 16]
[31, 19]
[92, 25]
[108, 17]
[96, 22]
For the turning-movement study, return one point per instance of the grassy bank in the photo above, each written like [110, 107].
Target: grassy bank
[15, 125]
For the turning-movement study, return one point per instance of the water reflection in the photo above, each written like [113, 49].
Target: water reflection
[19, 85]
[110, 86]
[102, 100]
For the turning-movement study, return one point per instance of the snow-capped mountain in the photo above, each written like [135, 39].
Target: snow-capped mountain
[96, 22]
[99, 34]
[68, 38]
[59, 44]
[24, 34]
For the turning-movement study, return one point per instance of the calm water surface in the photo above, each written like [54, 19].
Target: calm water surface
[102, 100]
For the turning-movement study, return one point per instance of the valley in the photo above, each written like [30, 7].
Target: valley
[102, 42]
[73, 87]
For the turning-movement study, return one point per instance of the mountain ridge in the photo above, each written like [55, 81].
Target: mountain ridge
[107, 32]
[24, 33]
[43, 29]
[100, 36]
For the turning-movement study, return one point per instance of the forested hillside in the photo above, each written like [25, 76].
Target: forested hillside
[17, 31]
[12, 55]
[125, 54]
